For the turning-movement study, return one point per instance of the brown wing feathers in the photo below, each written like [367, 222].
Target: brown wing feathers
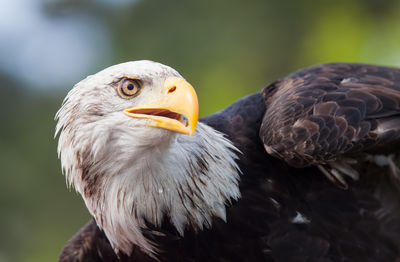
[322, 113]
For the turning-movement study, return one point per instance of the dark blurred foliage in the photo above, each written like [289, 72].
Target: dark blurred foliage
[225, 49]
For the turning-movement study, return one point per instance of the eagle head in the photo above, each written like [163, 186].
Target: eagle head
[128, 145]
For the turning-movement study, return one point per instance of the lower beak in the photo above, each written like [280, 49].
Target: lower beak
[177, 110]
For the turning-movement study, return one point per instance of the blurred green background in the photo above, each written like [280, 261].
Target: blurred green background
[226, 49]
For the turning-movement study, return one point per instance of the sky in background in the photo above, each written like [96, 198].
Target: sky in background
[42, 50]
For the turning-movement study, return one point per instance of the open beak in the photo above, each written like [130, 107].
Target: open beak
[177, 110]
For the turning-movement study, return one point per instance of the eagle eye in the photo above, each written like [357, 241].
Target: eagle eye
[129, 88]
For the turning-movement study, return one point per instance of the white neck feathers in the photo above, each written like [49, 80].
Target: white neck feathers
[187, 180]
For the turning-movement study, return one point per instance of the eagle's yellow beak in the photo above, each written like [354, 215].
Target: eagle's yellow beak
[177, 110]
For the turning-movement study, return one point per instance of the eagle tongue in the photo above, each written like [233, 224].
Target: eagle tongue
[158, 112]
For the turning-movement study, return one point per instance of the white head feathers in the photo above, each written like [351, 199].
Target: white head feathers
[128, 173]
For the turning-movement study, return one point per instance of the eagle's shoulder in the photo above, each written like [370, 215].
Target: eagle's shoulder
[89, 244]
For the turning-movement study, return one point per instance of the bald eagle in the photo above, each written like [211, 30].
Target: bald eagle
[304, 170]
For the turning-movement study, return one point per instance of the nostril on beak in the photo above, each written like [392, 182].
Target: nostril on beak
[172, 89]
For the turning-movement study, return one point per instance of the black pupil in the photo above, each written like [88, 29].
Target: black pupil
[131, 86]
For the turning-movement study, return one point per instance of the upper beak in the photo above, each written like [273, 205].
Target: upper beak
[177, 110]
